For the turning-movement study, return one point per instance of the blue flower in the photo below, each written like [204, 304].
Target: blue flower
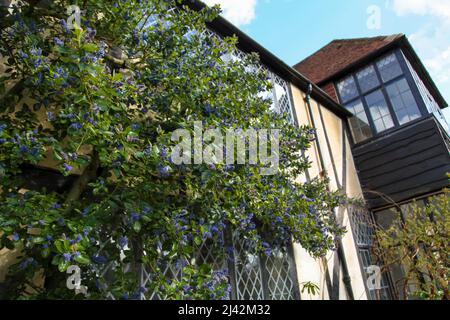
[146, 210]
[99, 259]
[84, 212]
[41, 222]
[34, 152]
[164, 171]
[49, 238]
[61, 222]
[135, 216]
[23, 55]
[207, 235]
[15, 237]
[67, 167]
[86, 232]
[123, 242]
[67, 257]
[23, 149]
[36, 51]
[58, 41]
[78, 238]
[143, 289]
[187, 289]
[91, 32]
[76, 126]
[55, 206]
[25, 263]
[64, 25]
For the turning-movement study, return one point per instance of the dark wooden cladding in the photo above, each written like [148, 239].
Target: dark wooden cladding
[407, 163]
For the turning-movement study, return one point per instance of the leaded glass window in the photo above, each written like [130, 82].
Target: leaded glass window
[359, 124]
[261, 277]
[279, 267]
[282, 102]
[367, 78]
[379, 110]
[403, 101]
[347, 89]
[248, 270]
[379, 96]
[252, 276]
[364, 231]
[389, 67]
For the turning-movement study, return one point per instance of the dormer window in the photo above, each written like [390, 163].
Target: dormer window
[379, 96]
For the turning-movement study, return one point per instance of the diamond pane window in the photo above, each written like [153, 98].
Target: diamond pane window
[367, 79]
[403, 101]
[280, 284]
[281, 99]
[379, 110]
[389, 67]
[260, 277]
[363, 230]
[248, 271]
[359, 124]
[347, 89]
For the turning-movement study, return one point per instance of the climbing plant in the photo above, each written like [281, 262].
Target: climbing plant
[418, 244]
[98, 102]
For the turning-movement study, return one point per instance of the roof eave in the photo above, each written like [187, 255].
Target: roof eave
[247, 44]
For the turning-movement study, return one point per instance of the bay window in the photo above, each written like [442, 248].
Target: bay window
[379, 96]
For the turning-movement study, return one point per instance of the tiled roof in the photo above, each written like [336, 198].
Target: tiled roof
[339, 54]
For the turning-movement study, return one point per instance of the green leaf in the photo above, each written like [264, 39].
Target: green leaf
[59, 244]
[38, 240]
[83, 259]
[197, 240]
[63, 265]
[137, 226]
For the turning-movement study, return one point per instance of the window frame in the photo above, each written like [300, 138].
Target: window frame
[233, 273]
[406, 74]
[368, 222]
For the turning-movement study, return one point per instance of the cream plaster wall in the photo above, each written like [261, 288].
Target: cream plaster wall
[309, 269]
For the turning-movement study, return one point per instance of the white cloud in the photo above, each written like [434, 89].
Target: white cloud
[238, 12]
[431, 41]
[440, 8]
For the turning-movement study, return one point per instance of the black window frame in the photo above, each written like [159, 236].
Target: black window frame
[406, 74]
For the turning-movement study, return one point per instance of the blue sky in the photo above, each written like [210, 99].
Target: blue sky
[294, 29]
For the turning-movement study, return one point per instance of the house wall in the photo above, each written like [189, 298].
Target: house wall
[334, 148]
